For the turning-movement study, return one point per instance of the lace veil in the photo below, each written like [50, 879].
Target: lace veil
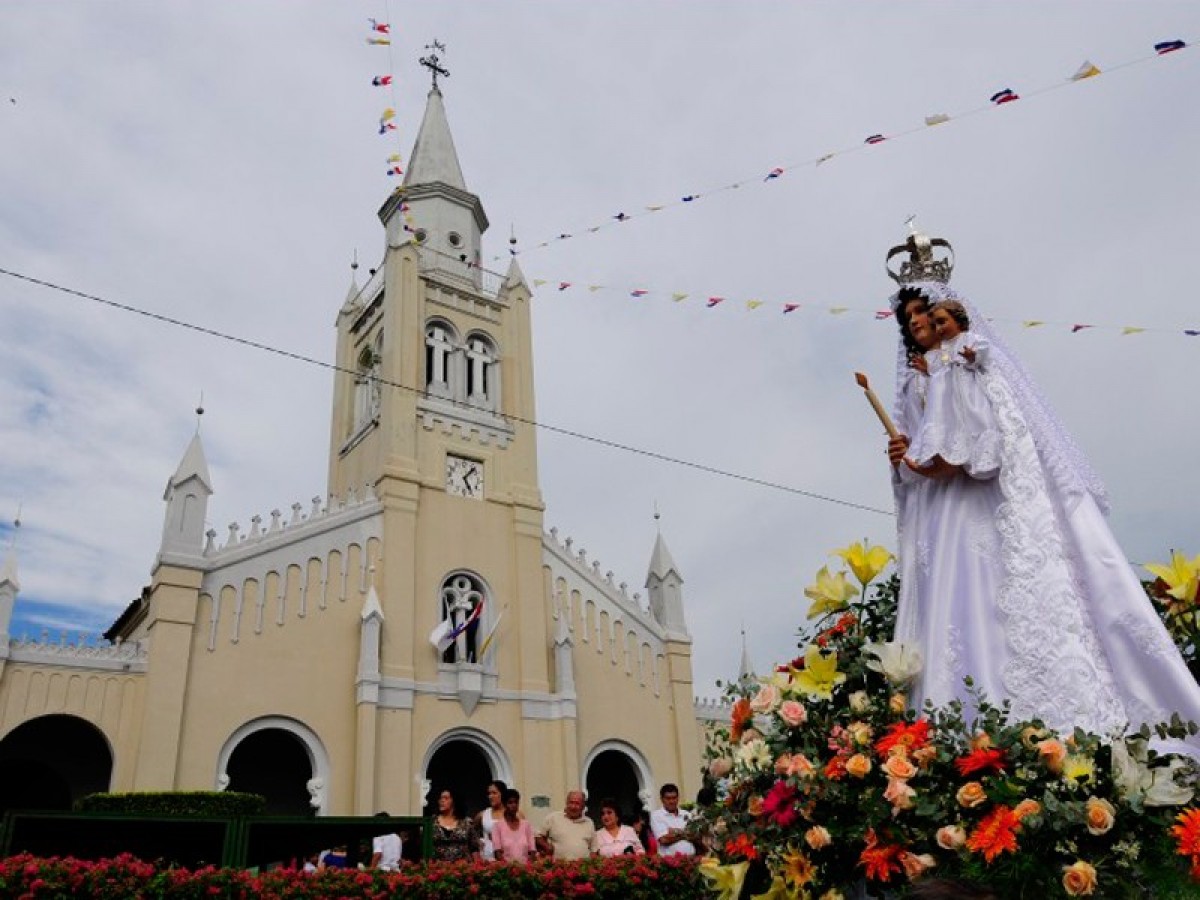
[1065, 464]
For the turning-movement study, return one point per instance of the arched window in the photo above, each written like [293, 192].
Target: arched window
[440, 346]
[463, 599]
[483, 385]
[366, 383]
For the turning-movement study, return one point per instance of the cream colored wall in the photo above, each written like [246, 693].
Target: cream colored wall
[112, 702]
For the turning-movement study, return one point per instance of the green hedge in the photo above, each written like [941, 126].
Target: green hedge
[193, 804]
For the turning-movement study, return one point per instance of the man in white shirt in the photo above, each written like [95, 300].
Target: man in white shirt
[669, 824]
[567, 834]
[386, 850]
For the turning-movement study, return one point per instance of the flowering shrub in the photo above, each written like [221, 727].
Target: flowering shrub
[636, 878]
[831, 783]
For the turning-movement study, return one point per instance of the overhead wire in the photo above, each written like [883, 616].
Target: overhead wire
[544, 426]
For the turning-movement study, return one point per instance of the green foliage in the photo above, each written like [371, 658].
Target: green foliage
[190, 804]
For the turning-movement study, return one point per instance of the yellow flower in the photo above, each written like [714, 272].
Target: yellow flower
[819, 676]
[864, 560]
[829, 593]
[798, 869]
[724, 881]
[1078, 769]
[1182, 576]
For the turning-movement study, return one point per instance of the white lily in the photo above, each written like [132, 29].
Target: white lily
[899, 663]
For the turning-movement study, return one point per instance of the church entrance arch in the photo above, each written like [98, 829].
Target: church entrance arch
[463, 760]
[617, 770]
[51, 761]
[281, 759]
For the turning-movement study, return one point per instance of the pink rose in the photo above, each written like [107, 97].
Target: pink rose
[899, 794]
[720, 767]
[766, 699]
[793, 713]
[951, 837]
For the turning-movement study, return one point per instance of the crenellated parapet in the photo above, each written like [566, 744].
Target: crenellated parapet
[599, 613]
[322, 513]
[712, 709]
[85, 651]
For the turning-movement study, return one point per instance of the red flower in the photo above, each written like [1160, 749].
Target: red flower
[996, 834]
[980, 761]
[911, 736]
[881, 862]
[780, 804]
[835, 769]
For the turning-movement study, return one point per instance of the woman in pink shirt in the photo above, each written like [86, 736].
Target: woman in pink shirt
[612, 838]
[512, 836]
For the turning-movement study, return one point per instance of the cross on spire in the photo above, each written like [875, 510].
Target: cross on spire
[433, 63]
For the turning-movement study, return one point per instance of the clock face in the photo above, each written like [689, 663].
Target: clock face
[464, 477]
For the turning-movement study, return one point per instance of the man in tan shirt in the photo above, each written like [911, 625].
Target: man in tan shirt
[567, 834]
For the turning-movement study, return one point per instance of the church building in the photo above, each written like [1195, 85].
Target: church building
[413, 626]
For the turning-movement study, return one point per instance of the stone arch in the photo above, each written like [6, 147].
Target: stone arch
[318, 782]
[472, 786]
[51, 761]
[482, 369]
[618, 769]
[442, 358]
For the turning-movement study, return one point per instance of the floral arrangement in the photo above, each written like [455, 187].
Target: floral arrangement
[618, 878]
[1175, 591]
[833, 788]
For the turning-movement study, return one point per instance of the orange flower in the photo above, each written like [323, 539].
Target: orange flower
[741, 846]
[899, 767]
[1079, 879]
[971, 795]
[911, 736]
[1027, 807]
[881, 862]
[1052, 753]
[1187, 837]
[742, 716]
[835, 769]
[858, 765]
[1100, 815]
[818, 837]
[916, 865]
[995, 834]
[798, 869]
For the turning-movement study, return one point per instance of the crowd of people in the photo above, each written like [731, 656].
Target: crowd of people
[502, 832]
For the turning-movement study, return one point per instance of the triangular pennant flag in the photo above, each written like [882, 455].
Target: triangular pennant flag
[381, 27]
[1168, 46]
[753, 304]
[1033, 323]
[381, 80]
[638, 292]
[826, 158]
[594, 287]
[938, 119]
[773, 174]
[883, 314]
[1007, 95]
[395, 157]
[678, 297]
[1132, 329]
[381, 42]
[538, 282]
[1075, 329]
[563, 285]
[875, 139]
[713, 301]
[654, 208]
[790, 307]
[1087, 70]
[838, 310]
[1192, 332]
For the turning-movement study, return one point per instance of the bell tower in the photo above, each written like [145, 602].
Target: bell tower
[433, 408]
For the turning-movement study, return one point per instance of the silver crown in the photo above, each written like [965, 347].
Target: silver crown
[921, 264]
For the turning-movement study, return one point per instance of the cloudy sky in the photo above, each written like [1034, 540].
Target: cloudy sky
[219, 163]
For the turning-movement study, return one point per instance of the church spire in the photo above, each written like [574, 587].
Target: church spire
[187, 494]
[746, 668]
[664, 586]
[434, 159]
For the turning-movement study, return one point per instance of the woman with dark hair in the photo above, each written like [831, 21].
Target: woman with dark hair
[454, 835]
[512, 836]
[612, 838]
[490, 815]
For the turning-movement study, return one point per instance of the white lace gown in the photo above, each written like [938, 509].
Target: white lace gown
[1017, 582]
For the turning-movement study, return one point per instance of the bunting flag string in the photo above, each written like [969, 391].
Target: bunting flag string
[1002, 97]
[767, 307]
